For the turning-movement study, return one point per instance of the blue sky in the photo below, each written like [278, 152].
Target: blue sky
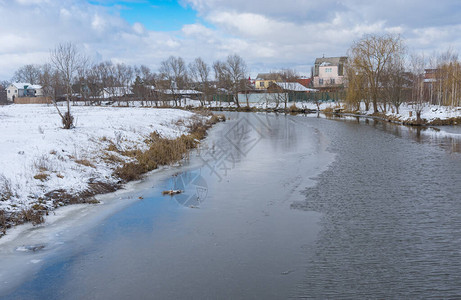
[160, 15]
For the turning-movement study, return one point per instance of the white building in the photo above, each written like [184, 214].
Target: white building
[22, 89]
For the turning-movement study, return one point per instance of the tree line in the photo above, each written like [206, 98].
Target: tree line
[70, 73]
[381, 73]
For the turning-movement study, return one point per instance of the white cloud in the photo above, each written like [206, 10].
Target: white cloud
[268, 34]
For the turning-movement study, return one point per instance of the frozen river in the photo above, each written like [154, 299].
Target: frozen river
[274, 207]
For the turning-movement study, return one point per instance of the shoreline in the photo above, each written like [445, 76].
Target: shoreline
[385, 118]
[191, 131]
[130, 169]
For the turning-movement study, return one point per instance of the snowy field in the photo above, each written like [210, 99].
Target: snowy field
[37, 156]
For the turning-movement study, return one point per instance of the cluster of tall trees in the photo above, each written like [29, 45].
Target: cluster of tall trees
[382, 74]
[70, 75]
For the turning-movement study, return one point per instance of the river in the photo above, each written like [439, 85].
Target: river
[274, 207]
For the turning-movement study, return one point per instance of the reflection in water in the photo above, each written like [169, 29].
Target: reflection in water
[449, 140]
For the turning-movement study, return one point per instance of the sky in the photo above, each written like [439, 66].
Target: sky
[269, 35]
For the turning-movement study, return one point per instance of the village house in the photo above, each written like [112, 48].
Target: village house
[329, 72]
[22, 89]
[263, 80]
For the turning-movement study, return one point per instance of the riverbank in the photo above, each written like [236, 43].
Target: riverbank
[431, 115]
[43, 167]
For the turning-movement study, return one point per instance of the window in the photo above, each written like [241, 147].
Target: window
[261, 84]
[332, 81]
[320, 81]
[9, 91]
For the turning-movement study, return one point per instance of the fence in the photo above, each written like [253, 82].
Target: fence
[281, 97]
[33, 100]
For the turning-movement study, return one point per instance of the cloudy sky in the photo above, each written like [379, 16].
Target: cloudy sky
[269, 34]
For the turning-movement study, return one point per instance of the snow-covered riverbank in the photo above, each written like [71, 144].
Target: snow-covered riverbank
[430, 114]
[37, 156]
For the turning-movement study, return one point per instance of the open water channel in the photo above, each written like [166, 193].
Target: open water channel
[274, 207]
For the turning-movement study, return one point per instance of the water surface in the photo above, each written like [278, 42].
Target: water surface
[278, 207]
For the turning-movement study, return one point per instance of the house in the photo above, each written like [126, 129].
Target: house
[291, 91]
[22, 89]
[304, 81]
[263, 80]
[329, 72]
[290, 87]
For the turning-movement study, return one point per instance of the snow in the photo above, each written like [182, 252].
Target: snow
[20, 85]
[294, 86]
[429, 112]
[33, 142]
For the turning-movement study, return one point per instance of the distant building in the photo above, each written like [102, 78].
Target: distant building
[289, 87]
[329, 72]
[22, 89]
[306, 82]
[263, 80]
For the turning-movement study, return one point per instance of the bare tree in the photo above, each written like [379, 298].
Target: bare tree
[231, 76]
[370, 57]
[124, 79]
[223, 81]
[66, 59]
[174, 71]
[394, 83]
[237, 69]
[28, 73]
[200, 73]
[4, 83]
[417, 66]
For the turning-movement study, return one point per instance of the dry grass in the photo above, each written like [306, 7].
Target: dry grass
[328, 110]
[29, 215]
[163, 151]
[42, 164]
[42, 176]
[294, 109]
[3, 223]
[112, 158]
[112, 147]
[6, 190]
[85, 162]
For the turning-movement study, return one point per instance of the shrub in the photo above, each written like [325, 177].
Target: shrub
[68, 121]
[294, 109]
